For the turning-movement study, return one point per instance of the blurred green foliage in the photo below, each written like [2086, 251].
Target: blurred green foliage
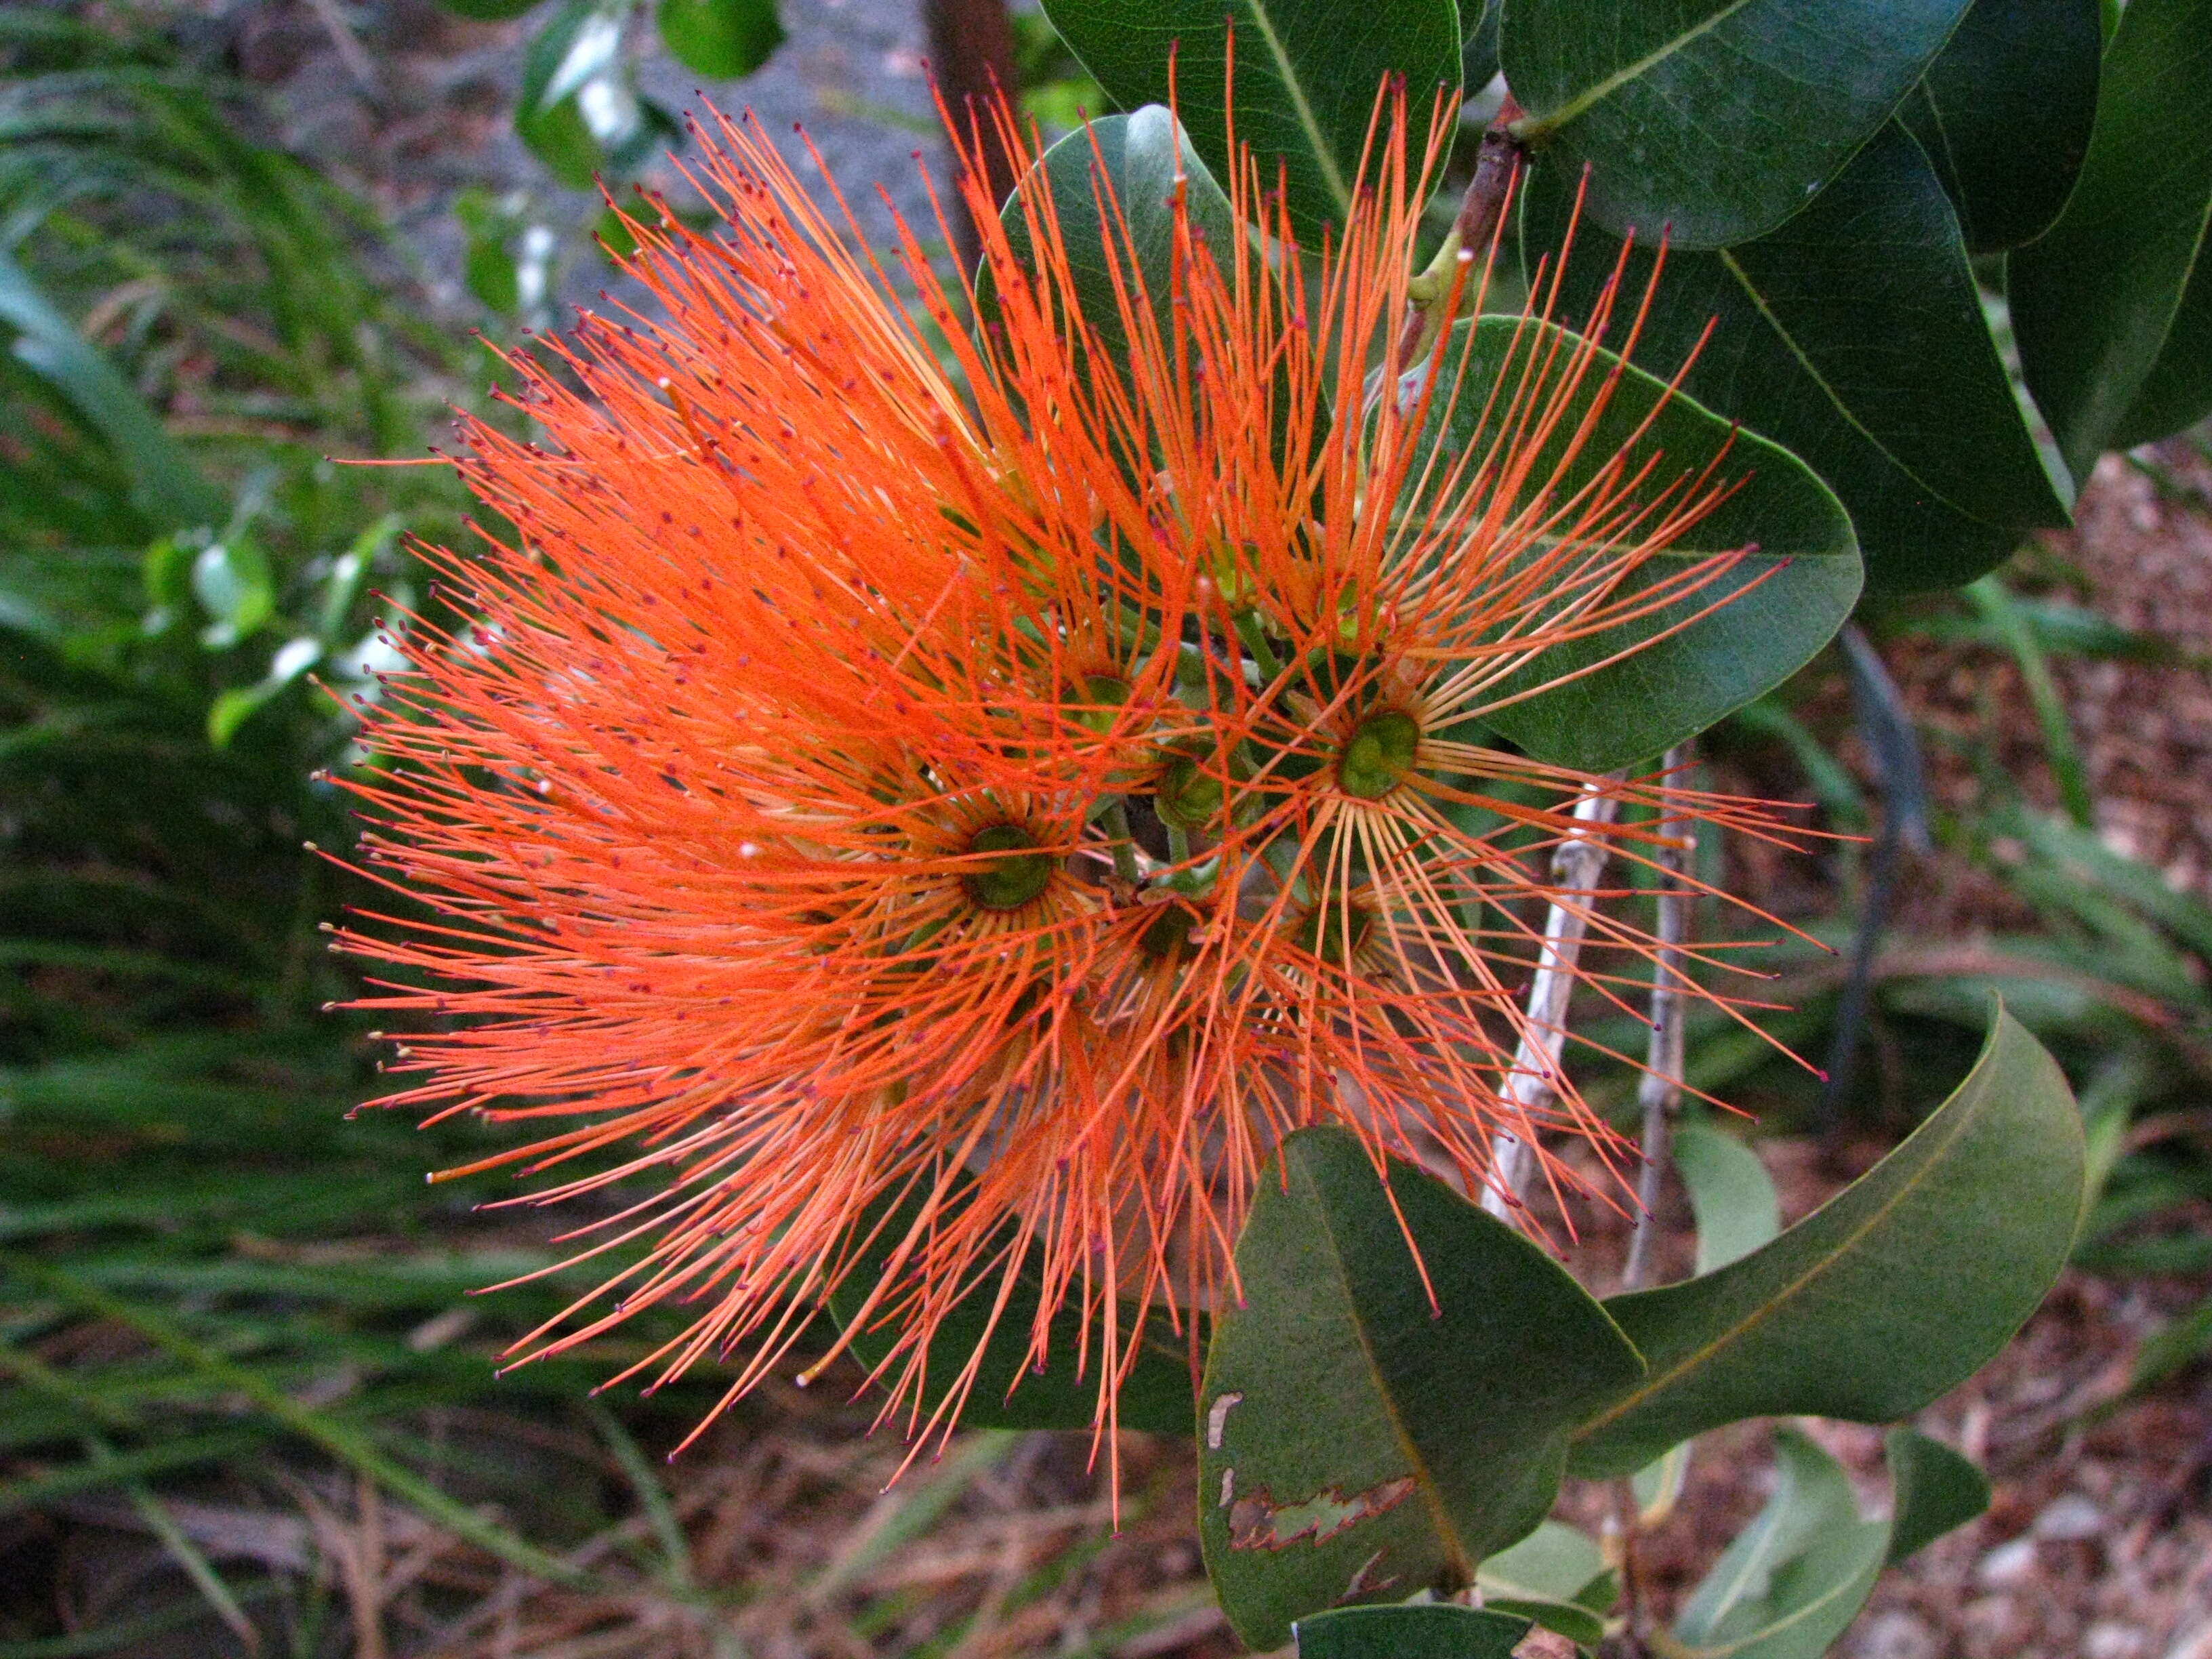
[205, 1267]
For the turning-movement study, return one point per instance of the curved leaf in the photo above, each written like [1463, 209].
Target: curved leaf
[1360, 1444]
[2004, 113]
[1307, 74]
[165, 488]
[1556, 1575]
[1434, 1629]
[1718, 117]
[1854, 337]
[1731, 1192]
[1793, 1580]
[1891, 1294]
[2111, 308]
[1793, 593]
[1135, 162]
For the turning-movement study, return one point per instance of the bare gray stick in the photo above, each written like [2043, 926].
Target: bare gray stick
[1577, 864]
[1659, 1093]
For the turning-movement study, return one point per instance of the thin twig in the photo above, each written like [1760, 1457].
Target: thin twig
[1577, 864]
[1660, 1091]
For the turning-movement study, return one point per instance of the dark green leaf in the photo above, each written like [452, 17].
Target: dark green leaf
[2178, 390]
[1720, 118]
[1360, 1444]
[1007, 1393]
[1794, 592]
[1478, 56]
[1854, 337]
[726, 37]
[1889, 1295]
[1730, 1191]
[2111, 308]
[1307, 77]
[165, 486]
[1934, 1490]
[489, 11]
[2004, 114]
[1433, 1629]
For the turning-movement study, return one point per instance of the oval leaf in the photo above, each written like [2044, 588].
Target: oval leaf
[725, 38]
[1888, 1296]
[2004, 113]
[1790, 596]
[1306, 82]
[1434, 1629]
[1359, 1444]
[2112, 309]
[1854, 337]
[1718, 117]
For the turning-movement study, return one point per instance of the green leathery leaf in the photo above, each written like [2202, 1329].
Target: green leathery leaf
[1131, 162]
[1429, 1630]
[1854, 337]
[1933, 1490]
[726, 37]
[2112, 306]
[1793, 1580]
[1477, 54]
[1791, 594]
[1720, 118]
[1307, 75]
[1007, 1393]
[1360, 1444]
[1891, 1294]
[2004, 113]
[1731, 1192]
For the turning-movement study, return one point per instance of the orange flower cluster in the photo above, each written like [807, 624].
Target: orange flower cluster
[964, 797]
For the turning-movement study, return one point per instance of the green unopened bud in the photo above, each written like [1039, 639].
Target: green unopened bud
[1009, 882]
[1189, 793]
[1379, 753]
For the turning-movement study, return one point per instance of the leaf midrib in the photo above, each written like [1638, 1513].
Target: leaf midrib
[1332, 175]
[1773, 1304]
[1424, 1478]
[1597, 91]
[1758, 298]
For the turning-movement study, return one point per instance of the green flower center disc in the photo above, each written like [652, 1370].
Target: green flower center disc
[1379, 754]
[1011, 882]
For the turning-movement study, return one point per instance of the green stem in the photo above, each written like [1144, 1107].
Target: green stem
[1115, 817]
[1256, 640]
